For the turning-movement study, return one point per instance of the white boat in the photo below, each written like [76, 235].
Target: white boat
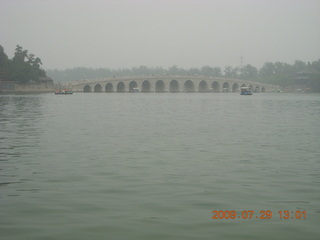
[245, 91]
[135, 89]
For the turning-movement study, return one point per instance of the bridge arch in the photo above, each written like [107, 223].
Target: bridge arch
[109, 87]
[87, 88]
[235, 87]
[132, 85]
[174, 86]
[121, 87]
[203, 86]
[189, 86]
[226, 87]
[257, 89]
[215, 86]
[146, 86]
[159, 87]
[97, 88]
[263, 89]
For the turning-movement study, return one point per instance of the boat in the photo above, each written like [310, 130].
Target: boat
[135, 89]
[245, 91]
[65, 91]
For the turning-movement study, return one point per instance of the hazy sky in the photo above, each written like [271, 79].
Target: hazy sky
[186, 33]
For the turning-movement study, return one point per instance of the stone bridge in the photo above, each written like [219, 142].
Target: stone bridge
[167, 84]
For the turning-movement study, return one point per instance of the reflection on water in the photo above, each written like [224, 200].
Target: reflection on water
[20, 134]
[155, 166]
[19, 116]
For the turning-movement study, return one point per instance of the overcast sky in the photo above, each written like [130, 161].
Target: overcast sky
[186, 33]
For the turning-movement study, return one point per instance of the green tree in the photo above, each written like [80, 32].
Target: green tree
[217, 72]
[299, 66]
[315, 78]
[26, 67]
[207, 71]
[4, 65]
[35, 71]
[249, 72]
[231, 72]
[267, 73]
[21, 71]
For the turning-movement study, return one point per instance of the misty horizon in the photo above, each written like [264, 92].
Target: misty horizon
[188, 34]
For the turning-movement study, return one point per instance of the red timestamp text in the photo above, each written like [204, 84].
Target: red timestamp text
[262, 214]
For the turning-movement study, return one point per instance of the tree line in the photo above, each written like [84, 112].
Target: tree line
[23, 68]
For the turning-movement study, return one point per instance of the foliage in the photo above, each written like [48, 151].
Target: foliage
[249, 72]
[281, 74]
[315, 78]
[4, 64]
[22, 68]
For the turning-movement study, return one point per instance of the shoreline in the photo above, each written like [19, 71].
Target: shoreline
[13, 88]
[24, 92]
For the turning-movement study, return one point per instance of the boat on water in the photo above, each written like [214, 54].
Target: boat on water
[135, 89]
[61, 92]
[245, 91]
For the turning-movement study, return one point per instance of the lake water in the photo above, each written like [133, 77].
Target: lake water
[155, 166]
